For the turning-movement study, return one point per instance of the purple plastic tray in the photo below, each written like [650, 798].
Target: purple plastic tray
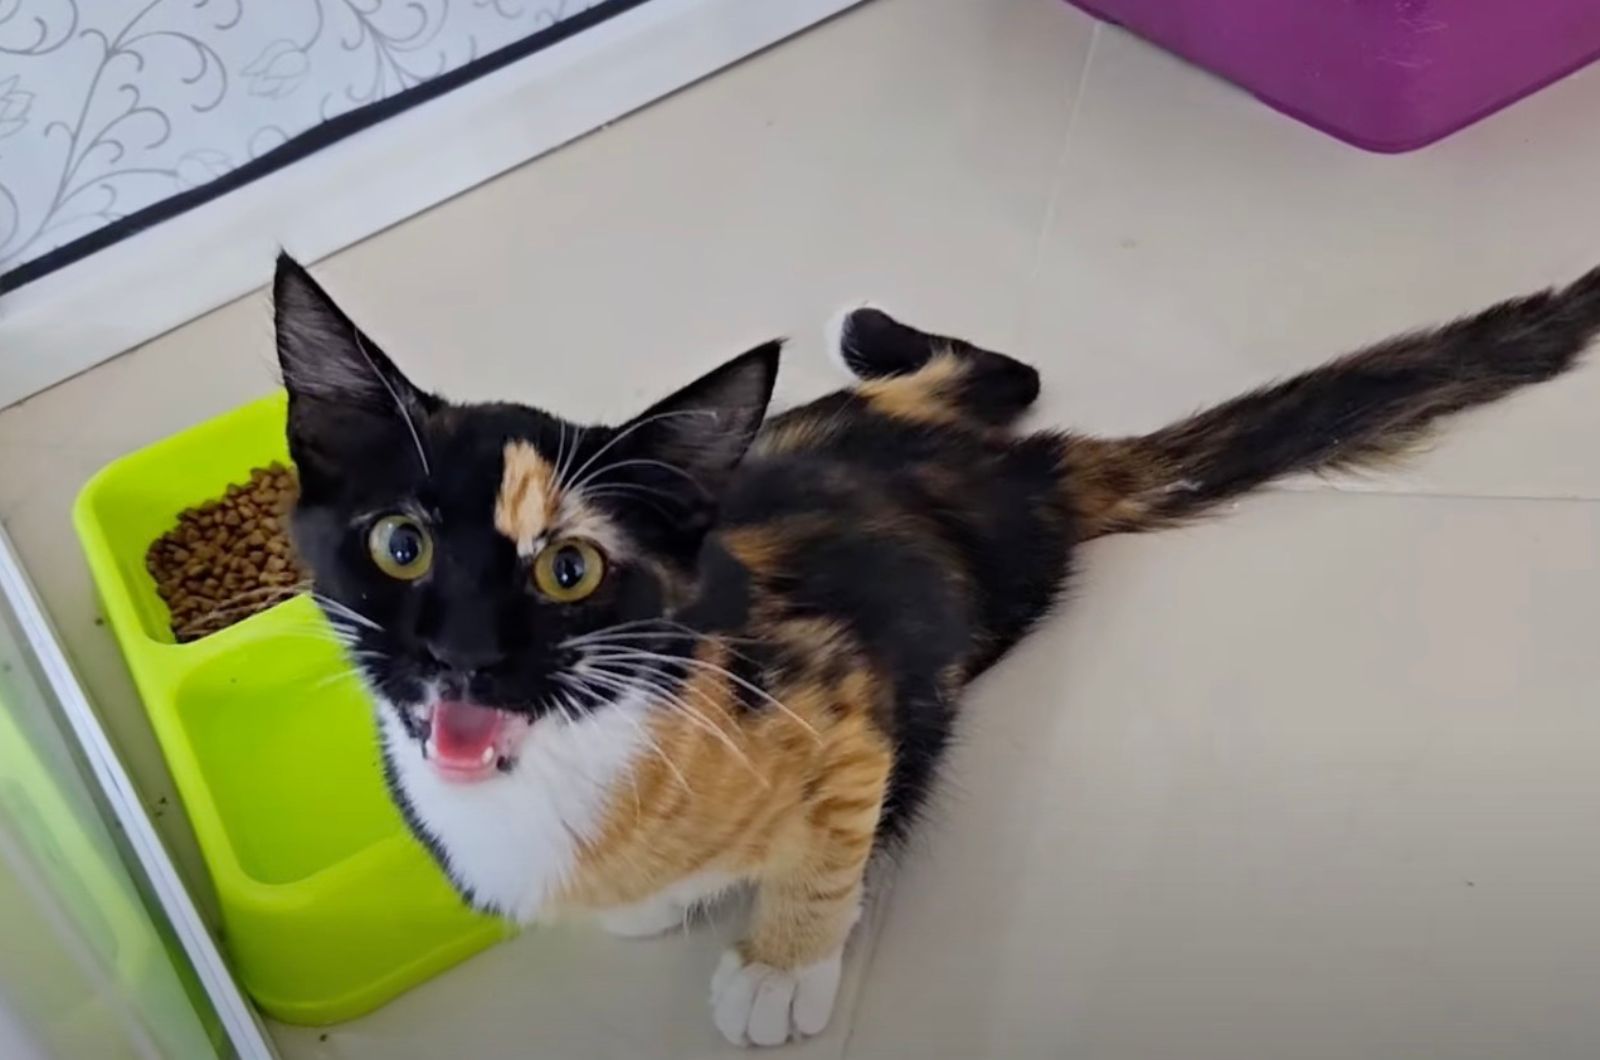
[1386, 75]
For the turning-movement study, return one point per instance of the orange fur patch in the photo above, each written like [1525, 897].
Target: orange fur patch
[925, 396]
[526, 507]
[1109, 484]
[533, 508]
[765, 549]
[794, 433]
[760, 549]
[786, 796]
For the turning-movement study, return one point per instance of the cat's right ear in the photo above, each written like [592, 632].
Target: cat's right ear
[348, 403]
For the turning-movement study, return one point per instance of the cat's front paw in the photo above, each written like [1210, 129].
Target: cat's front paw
[756, 1004]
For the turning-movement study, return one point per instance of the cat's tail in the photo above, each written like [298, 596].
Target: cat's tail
[1354, 411]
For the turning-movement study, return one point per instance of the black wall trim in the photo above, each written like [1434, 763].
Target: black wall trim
[313, 139]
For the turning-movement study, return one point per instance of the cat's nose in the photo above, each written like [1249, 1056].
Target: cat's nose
[464, 658]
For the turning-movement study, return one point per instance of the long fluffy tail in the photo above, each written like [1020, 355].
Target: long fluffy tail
[1352, 411]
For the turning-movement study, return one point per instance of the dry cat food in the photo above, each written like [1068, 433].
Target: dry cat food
[229, 558]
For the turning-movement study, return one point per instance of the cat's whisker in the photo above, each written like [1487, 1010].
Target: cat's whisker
[229, 612]
[644, 641]
[561, 446]
[625, 432]
[400, 406]
[636, 622]
[666, 694]
[270, 590]
[638, 461]
[720, 640]
[264, 592]
[564, 457]
[275, 629]
[622, 640]
[345, 611]
[666, 760]
[625, 638]
[633, 774]
[565, 707]
[570, 710]
[345, 636]
[573, 710]
[756, 690]
[583, 688]
[625, 492]
[689, 687]
[575, 449]
[358, 658]
[336, 614]
[562, 454]
[320, 628]
[323, 622]
[342, 675]
[540, 763]
[667, 626]
[295, 634]
[627, 488]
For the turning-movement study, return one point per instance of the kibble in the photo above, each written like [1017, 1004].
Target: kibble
[229, 558]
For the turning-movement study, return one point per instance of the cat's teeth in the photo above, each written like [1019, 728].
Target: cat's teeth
[489, 756]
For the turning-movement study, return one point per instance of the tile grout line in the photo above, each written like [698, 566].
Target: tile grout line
[1311, 489]
[880, 919]
[1057, 171]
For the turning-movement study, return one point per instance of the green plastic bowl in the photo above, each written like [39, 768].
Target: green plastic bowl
[330, 906]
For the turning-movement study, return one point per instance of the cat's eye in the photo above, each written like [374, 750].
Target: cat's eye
[401, 547]
[568, 571]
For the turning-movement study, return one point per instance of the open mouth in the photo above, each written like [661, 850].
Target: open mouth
[468, 742]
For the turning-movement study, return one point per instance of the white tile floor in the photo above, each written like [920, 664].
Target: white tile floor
[1314, 780]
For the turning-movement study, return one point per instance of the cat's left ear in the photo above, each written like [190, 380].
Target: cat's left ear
[701, 432]
[350, 408]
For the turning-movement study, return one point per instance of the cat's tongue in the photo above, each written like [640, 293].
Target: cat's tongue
[465, 741]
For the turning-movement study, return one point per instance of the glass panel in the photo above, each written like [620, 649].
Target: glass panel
[88, 966]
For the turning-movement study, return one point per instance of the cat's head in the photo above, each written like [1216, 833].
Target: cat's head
[465, 550]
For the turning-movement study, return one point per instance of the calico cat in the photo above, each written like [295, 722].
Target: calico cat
[622, 669]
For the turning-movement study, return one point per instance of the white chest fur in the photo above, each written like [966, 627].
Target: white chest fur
[512, 840]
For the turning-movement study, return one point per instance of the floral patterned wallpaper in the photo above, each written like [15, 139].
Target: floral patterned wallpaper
[110, 106]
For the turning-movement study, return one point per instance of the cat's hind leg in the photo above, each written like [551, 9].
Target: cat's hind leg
[910, 373]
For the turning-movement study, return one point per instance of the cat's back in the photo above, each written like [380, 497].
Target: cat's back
[937, 547]
[817, 535]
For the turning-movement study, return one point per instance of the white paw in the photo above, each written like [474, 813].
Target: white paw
[756, 1004]
[645, 920]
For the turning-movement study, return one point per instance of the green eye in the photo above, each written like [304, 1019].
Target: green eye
[401, 547]
[568, 571]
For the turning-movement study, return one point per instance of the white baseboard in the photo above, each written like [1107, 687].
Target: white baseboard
[135, 289]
